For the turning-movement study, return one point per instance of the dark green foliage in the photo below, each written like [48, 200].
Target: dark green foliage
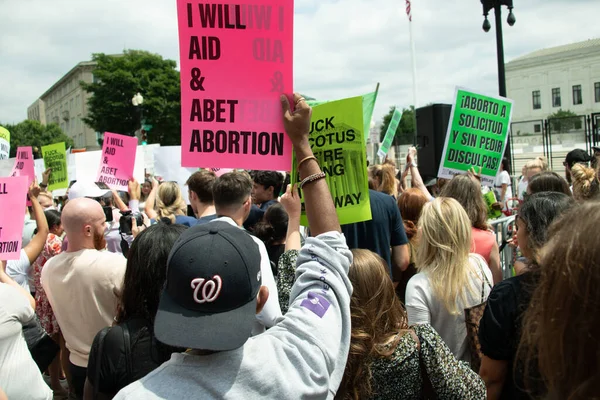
[118, 78]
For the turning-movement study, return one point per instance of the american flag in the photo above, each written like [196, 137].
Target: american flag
[408, 12]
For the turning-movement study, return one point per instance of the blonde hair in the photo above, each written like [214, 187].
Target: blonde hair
[386, 174]
[443, 251]
[538, 162]
[585, 182]
[169, 201]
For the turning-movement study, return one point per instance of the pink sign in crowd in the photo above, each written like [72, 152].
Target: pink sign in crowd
[210, 288]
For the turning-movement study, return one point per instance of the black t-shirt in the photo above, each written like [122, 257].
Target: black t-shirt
[384, 230]
[500, 332]
[146, 355]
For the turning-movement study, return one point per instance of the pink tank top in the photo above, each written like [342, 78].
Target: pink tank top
[482, 243]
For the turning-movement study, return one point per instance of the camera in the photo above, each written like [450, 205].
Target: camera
[125, 222]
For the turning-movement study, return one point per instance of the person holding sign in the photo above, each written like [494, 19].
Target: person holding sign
[304, 355]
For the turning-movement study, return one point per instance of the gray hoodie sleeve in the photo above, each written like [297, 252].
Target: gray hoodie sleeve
[315, 332]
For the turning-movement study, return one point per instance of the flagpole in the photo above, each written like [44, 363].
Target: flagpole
[413, 62]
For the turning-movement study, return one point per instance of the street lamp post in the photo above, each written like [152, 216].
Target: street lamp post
[496, 5]
[137, 101]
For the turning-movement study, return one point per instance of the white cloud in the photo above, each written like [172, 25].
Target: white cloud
[342, 48]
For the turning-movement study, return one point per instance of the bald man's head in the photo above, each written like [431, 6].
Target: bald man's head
[83, 219]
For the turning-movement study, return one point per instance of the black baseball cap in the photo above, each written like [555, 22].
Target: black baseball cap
[577, 156]
[209, 299]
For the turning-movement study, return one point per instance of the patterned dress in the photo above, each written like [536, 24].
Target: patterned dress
[43, 309]
[401, 376]
[286, 275]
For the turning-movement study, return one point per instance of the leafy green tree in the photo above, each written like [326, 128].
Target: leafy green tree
[405, 133]
[36, 135]
[118, 78]
[563, 121]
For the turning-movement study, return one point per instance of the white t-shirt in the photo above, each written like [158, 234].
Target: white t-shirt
[20, 377]
[522, 188]
[503, 178]
[82, 288]
[19, 270]
[424, 308]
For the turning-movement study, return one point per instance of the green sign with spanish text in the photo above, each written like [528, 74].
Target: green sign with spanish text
[477, 135]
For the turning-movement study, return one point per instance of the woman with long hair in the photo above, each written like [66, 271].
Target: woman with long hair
[410, 204]
[43, 309]
[562, 325]
[449, 279]
[468, 193]
[383, 362]
[143, 282]
[169, 204]
[500, 326]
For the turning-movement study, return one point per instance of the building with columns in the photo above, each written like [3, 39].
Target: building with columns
[564, 77]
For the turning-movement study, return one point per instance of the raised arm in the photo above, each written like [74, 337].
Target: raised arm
[36, 245]
[291, 202]
[415, 176]
[45, 179]
[149, 208]
[320, 210]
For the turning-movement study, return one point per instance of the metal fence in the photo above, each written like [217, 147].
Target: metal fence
[504, 229]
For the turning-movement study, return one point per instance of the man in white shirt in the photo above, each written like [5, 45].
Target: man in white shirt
[232, 198]
[83, 283]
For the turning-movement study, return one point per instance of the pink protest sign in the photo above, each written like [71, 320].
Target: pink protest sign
[13, 192]
[24, 166]
[236, 60]
[118, 160]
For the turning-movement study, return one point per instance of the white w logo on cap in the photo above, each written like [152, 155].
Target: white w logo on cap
[210, 289]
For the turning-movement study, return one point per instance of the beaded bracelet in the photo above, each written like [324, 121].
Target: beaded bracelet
[312, 178]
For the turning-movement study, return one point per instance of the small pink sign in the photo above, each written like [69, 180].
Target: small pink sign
[24, 166]
[13, 192]
[236, 60]
[221, 171]
[118, 160]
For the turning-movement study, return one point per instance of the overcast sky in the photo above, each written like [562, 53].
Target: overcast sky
[342, 48]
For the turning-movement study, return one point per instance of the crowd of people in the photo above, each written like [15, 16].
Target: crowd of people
[135, 295]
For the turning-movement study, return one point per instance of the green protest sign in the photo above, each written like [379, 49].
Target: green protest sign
[55, 157]
[368, 105]
[389, 134]
[337, 141]
[477, 135]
